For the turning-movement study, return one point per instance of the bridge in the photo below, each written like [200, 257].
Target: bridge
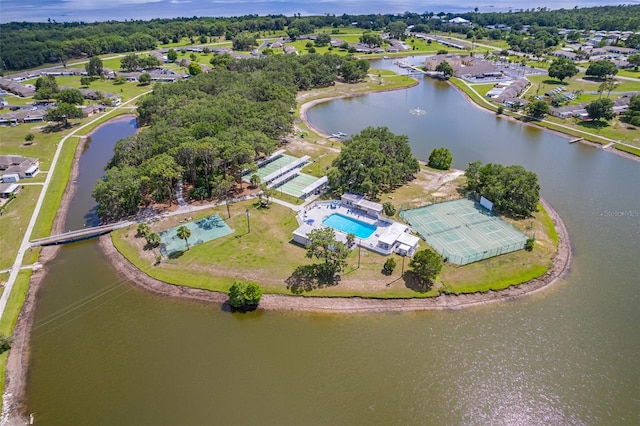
[79, 235]
[412, 70]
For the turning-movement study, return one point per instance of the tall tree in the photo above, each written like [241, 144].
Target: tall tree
[184, 233]
[600, 109]
[94, 67]
[562, 68]
[324, 246]
[445, 68]
[602, 69]
[538, 109]
[130, 62]
[426, 265]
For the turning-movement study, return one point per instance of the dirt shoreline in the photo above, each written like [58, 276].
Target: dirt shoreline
[13, 398]
[274, 302]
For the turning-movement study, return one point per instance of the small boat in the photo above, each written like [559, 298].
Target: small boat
[342, 134]
[386, 57]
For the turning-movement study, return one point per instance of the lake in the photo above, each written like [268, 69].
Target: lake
[105, 352]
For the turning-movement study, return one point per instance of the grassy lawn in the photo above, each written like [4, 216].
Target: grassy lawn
[629, 73]
[267, 256]
[126, 90]
[55, 191]
[10, 317]
[482, 89]
[634, 151]
[318, 167]
[472, 94]
[14, 221]
[43, 146]
[580, 83]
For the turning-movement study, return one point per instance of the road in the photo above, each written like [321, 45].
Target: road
[24, 246]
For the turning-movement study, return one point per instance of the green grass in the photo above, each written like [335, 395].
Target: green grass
[472, 94]
[319, 165]
[15, 302]
[14, 221]
[56, 190]
[10, 316]
[628, 149]
[578, 83]
[629, 73]
[126, 91]
[482, 89]
[286, 197]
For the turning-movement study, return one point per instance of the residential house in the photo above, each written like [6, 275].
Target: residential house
[24, 167]
[8, 189]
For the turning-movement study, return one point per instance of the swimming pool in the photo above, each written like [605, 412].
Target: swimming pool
[349, 225]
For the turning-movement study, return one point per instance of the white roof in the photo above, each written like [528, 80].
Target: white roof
[408, 239]
[10, 188]
[393, 233]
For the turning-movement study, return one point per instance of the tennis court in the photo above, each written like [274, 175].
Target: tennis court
[203, 230]
[296, 185]
[463, 231]
[275, 165]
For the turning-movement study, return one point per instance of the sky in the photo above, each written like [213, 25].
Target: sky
[101, 10]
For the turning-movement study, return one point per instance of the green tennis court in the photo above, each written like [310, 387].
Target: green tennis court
[275, 165]
[463, 231]
[297, 184]
[203, 230]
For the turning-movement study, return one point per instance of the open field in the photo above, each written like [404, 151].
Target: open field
[13, 223]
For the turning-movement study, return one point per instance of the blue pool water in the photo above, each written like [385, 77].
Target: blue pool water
[349, 225]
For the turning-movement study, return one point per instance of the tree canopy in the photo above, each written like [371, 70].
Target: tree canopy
[602, 69]
[445, 68]
[600, 108]
[538, 109]
[372, 162]
[323, 245]
[440, 158]
[426, 265]
[512, 189]
[206, 130]
[632, 115]
[562, 68]
[244, 295]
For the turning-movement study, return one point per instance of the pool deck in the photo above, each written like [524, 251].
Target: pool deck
[320, 210]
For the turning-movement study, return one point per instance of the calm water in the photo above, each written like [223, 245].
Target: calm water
[91, 10]
[91, 168]
[104, 352]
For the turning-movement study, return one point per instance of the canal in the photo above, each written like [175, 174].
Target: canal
[105, 352]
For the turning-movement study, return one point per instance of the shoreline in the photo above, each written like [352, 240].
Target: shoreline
[13, 398]
[276, 302]
[557, 132]
[305, 106]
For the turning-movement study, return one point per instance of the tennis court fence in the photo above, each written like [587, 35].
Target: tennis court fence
[463, 260]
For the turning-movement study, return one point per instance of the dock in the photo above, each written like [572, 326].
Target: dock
[575, 140]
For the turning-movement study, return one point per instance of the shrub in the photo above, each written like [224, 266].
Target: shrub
[440, 158]
[389, 209]
[243, 295]
[528, 246]
[389, 266]
[143, 229]
[5, 343]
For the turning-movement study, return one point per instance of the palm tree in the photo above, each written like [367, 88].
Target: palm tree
[184, 233]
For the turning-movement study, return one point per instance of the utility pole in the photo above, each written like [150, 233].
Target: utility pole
[402, 274]
[359, 251]
[248, 213]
